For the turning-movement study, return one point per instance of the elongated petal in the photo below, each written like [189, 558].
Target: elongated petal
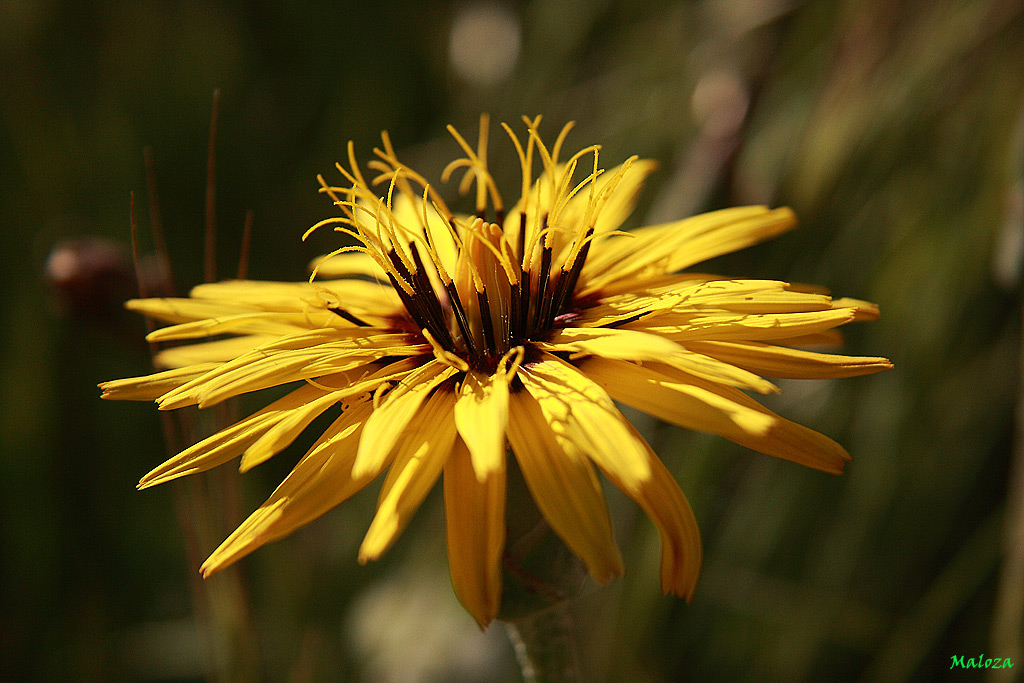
[694, 403]
[475, 518]
[290, 359]
[779, 361]
[278, 437]
[151, 387]
[584, 419]
[481, 414]
[425, 446]
[865, 310]
[230, 380]
[231, 442]
[753, 327]
[660, 497]
[641, 346]
[397, 410]
[661, 249]
[564, 486]
[219, 351]
[292, 296]
[175, 310]
[258, 322]
[321, 480]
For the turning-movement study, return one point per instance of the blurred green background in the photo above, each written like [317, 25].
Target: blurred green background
[894, 129]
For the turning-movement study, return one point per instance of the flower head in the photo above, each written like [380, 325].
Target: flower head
[449, 341]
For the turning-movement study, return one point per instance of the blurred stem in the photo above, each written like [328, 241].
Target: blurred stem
[541, 576]
[1008, 621]
[545, 645]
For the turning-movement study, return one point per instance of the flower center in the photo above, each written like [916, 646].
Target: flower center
[494, 303]
[478, 290]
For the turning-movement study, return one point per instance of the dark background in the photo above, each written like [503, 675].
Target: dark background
[895, 131]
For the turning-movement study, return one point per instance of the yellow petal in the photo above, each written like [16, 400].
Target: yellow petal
[865, 310]
[232, 441]
[176, 310]
[780, 361]
[661, 249]
[620, 203]
[320, 481]
[683, 327]
[293, 296]
[424, 447]
[396, 411]
[584, 420]
[475, 519]
[680, 403]
[151, 387]
[233, 379]
[258, 322]
[641, 346]
[623, 199]
[291, 359]
[695, 403]
[219, 351]
[565, 488]
[660, 497]
[279, 436]
[481, 413]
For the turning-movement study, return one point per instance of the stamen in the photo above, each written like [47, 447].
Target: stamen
[567, 281]
[523, 315]
[492, 187]
[485, 322]
[358, 179]
[515, 355]
[526, 171]
[443, 355]
[515, 314]
[392, 232]
[546, 160]
[522, 241]
[610, 186]
[485, 182]
[380, 391]
[330, 190]
[593, 185]
[540, 310]
[431, 247]
[337, 310]
[557, 148]
[389, 157]
[413, 304]
[460, 317]
[426, 291]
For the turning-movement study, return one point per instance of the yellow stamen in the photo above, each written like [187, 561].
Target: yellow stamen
[431, 248]
[515, 355]
[443, 355]
[358, 179]
[478, 164]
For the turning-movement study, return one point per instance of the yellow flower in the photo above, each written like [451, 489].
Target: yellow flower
[449, 341]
